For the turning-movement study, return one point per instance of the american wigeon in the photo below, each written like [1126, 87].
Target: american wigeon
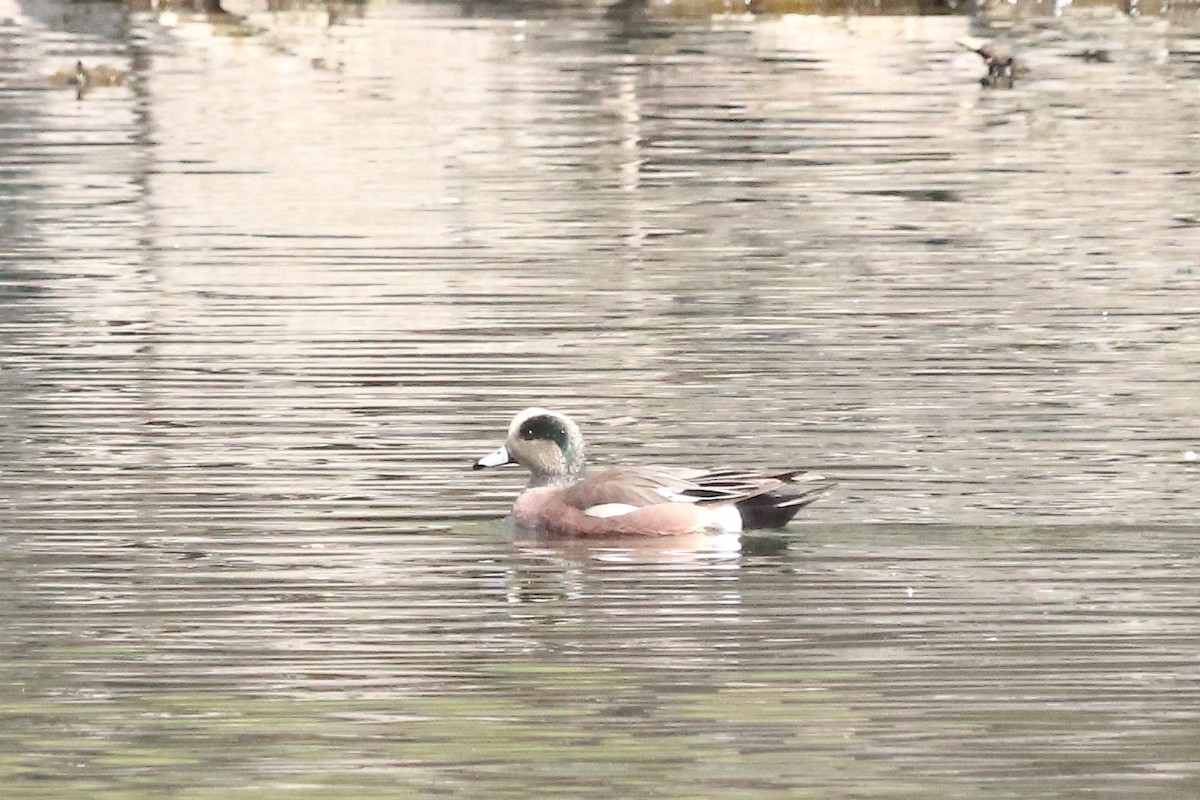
[645, 501]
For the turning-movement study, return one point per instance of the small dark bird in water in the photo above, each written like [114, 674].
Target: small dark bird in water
[84, 78]
[1003, 68]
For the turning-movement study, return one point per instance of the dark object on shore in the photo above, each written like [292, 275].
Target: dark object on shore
[627, 10]
[1003, 67]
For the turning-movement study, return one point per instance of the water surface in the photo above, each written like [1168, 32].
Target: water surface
[263, 303]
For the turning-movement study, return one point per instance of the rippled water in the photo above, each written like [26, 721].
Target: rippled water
[264, 302]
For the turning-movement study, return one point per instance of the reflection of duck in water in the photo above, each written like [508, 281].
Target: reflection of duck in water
[85, 78]
[1003, 67]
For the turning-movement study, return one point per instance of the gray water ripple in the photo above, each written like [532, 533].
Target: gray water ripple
[263, 305]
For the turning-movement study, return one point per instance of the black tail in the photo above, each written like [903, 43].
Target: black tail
[776, 509]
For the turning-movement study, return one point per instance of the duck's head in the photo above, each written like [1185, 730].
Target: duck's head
[546, 443]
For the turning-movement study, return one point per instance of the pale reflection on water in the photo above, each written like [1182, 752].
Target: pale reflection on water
[262, 305]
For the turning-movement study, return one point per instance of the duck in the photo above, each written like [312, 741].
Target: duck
[1003, 67]
[562, 498]
[84, 78]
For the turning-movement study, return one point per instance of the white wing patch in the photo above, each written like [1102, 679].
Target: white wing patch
[609, 510]
[724, 518]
